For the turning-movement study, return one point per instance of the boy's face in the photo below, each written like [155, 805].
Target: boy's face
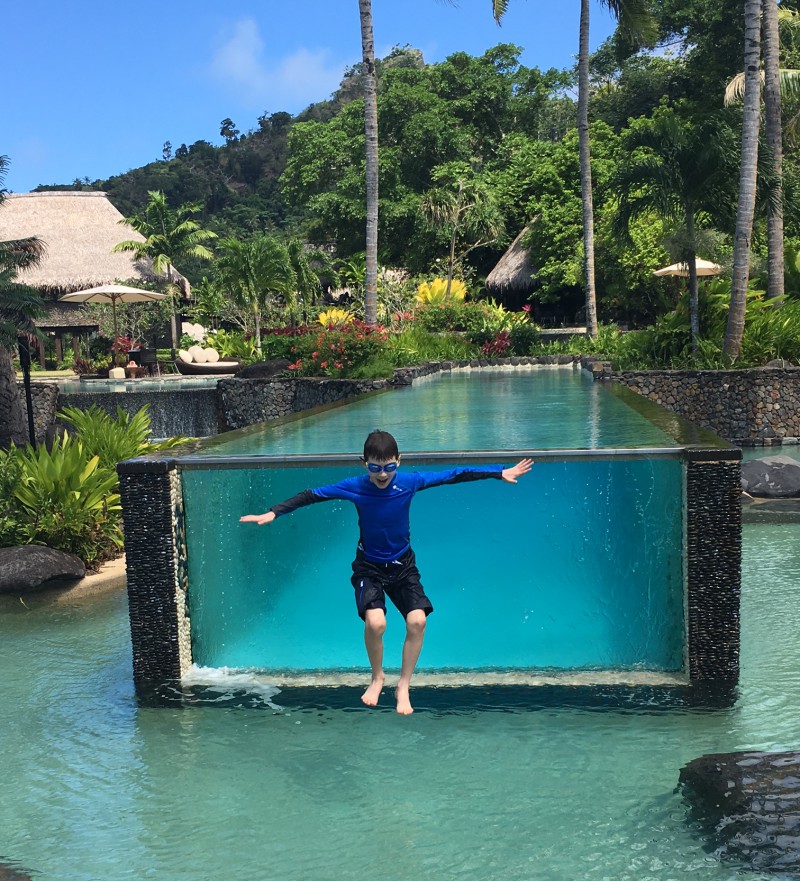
[381, 478]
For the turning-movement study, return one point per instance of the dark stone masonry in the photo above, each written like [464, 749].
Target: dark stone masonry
[747, 407]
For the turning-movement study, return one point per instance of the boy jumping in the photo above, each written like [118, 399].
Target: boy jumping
[384, 563]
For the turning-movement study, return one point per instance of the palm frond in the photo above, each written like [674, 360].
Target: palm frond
[499, 8]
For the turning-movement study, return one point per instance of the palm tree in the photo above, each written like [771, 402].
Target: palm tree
[748, 172]
[252, 272]
[676, 170]
[170, 236]
[19, 305]
[310, 266]
[778, 82]
[774, 136]
[371, 132]
[637, 23]
[465, 208]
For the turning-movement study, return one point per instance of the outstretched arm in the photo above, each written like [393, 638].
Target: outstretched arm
[511, 475]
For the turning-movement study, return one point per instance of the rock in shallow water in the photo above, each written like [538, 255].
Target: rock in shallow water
[748, 805]
[776, 477]
[36, 567]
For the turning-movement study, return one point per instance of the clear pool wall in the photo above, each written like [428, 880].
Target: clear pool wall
[603, 564]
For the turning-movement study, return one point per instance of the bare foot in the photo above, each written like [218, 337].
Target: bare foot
[373, 693]
[403, 701]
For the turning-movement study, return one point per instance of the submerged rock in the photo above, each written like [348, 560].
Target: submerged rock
[774, 477]
[748, 806]
[8, 873]
[36, 567]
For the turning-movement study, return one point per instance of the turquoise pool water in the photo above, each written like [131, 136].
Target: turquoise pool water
[544, 408]
[97, 787]
[578, 565]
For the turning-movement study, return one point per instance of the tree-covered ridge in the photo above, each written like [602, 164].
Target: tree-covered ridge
[493, 126]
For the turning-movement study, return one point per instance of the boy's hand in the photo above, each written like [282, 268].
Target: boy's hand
[261, 519]
[510, 475]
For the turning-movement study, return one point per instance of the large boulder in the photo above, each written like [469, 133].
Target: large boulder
[36, 568]
[264, 369]
[748, 806]
[774, 477]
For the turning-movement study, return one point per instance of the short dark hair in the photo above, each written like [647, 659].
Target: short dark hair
[380, 446]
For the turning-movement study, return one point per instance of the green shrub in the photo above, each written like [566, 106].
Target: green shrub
[415, 345]
[338, 351]
[450, 316]
[11, 531]
[66, 499]
[112, 440]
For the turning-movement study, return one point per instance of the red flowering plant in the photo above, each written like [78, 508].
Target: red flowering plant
[498, 346]
[335, 351]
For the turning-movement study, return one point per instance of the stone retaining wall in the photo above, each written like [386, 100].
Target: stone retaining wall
[746, 407]
[43, 398]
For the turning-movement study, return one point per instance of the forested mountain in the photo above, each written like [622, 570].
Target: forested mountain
[503, 134]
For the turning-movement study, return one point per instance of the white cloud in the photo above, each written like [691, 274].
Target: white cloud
[257, 78]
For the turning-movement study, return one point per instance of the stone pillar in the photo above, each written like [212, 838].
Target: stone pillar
[155, 550]
[713, 561]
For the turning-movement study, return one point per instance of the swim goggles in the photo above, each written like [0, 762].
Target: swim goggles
[389, 467]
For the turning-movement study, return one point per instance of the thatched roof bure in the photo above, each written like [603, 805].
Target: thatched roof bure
[514, 270]
[79, 231]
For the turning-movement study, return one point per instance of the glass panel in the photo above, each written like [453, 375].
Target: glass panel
[578, 565]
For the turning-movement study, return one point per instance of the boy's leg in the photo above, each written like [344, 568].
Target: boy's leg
[374, 627]
[415, 633]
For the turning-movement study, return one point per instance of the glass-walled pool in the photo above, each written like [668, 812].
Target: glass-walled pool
[585, 565]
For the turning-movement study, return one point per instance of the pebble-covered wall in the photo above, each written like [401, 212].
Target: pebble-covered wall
[746, 407]
[43, 398]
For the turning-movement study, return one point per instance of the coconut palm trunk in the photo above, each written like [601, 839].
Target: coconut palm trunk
[371, 132]
[586, 171]
[774, 139]
[751, 116]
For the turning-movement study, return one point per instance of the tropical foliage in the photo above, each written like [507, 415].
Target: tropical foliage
[66, 495]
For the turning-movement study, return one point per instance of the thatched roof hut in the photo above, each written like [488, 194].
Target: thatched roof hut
[512, 278]
[79, 230]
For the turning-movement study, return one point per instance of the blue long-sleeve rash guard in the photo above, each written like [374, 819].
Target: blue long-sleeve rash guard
[383, 514]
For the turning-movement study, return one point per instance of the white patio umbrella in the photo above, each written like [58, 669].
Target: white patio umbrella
[704, 267]
[113, 294]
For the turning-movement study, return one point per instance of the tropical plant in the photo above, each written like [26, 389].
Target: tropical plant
[170, 236]
[678, 171]
[254, 272]
[638, 26]
[338, 350]
[440, 291]
[232, 344]
[335, 317]
[465, 208]
[67, 500]
[310, 266]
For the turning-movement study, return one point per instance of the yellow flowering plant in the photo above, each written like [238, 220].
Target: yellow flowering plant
[435, 292]
[335, 317]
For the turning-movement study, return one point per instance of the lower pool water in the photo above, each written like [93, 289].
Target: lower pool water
[100, 787]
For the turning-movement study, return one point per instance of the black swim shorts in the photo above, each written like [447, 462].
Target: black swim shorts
[399, 580]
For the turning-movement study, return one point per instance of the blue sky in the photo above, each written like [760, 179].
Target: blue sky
[96, 88]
